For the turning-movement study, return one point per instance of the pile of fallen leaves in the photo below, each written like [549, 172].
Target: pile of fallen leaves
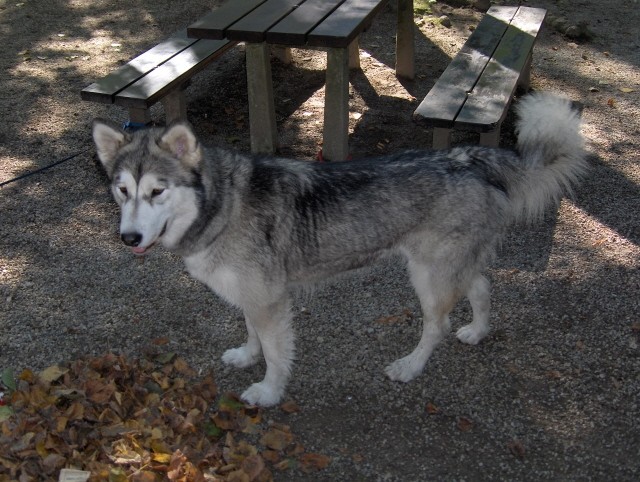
[144, 420]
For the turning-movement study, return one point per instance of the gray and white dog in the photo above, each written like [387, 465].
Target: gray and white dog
[254, 228]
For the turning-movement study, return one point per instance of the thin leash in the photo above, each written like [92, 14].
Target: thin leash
[126, 126]
[37, 171]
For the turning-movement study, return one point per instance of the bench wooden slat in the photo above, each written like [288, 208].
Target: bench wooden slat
[295, 27]
[214, 24]
[252, 27]
[443, 102]
[106, 88]
[155, 85]
[345, 23]
[484, 109]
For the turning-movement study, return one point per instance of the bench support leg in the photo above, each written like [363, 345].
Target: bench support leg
[139, 116]
[336, 106]
[490, 139]
[405, 40]
[524, 82]
[441, 138]
[262, 114]
[175, 106]
[354, 54]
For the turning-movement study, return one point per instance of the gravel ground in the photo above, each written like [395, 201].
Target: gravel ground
[552, 394]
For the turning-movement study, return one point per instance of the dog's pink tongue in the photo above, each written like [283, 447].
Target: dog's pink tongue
[138, 250]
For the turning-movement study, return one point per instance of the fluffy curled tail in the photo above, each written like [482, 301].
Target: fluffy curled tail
[552, 150]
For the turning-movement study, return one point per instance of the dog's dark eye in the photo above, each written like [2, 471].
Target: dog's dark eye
[123, 190]
[157, 192]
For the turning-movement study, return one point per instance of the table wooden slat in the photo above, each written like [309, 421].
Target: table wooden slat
[345, 23]
[484, 109]
[443, 102]
[105, 89]
[180, 68]
[215, 24]
[293, 29]
[253, 26]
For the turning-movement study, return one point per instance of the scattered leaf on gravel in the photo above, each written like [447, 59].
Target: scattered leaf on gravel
[465, 424]
[516, 448]
[290, 407]
[432, 409]
[314, 462]
[403, 317]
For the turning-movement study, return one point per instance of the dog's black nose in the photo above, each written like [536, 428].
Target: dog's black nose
[131, 239]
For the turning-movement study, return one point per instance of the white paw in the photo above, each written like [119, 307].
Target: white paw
[262, 394]
[240, 357]
[403, 370]
[472, 334]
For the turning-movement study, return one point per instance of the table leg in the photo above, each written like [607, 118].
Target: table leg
[262, 113]
[335, 144]
[405, 40]
[282, 53]
[354, 54]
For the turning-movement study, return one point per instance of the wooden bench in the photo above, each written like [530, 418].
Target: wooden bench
[160, 74]
[474, 92]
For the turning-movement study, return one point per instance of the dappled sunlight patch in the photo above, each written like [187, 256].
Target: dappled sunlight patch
[12, 270]
[593, 236]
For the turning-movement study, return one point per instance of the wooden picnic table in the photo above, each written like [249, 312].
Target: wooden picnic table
[333, 25]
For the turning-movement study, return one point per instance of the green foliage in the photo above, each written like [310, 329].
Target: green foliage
[422, 7]
[8, 379]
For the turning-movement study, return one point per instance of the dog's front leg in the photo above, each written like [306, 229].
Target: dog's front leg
[247, 354]
[272, 326]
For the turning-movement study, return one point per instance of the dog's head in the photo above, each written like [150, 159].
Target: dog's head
[152, 174]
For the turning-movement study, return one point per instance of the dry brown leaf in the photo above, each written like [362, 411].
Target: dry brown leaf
[182, 367]
[252, 466]
[52, 373]
[290, 407]
[516, 448]
[272, 456]
[276, 439]
[400, 318]
[314, 462]
[432, 409]
[465, 424]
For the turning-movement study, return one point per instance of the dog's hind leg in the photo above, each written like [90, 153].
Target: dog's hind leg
[247, 354]
[272, 327]
[437, 297]
[479, 296]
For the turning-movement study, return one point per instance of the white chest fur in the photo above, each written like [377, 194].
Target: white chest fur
[221, 279]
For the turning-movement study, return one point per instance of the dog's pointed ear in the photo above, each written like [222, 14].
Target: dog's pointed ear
[180, 141]
[108, 139]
